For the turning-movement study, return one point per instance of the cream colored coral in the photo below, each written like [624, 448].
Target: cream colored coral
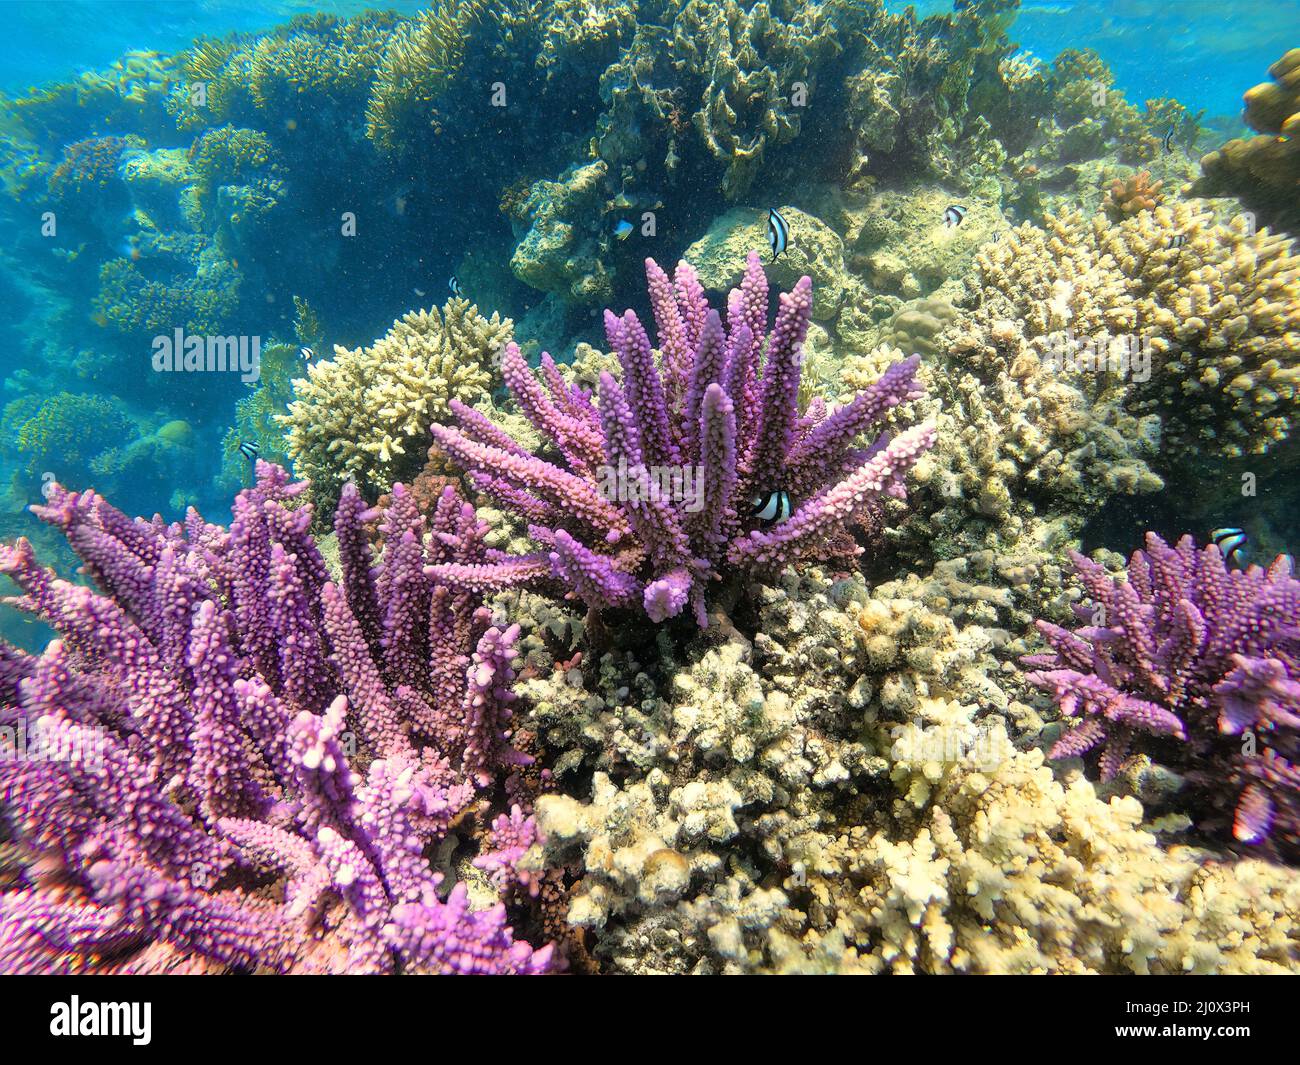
[364, 415]
[1219, 306]
[1010, 870]
[808, 803]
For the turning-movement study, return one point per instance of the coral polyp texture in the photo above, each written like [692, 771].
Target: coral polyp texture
[661, 481]
[1191, 651]
[245, 762]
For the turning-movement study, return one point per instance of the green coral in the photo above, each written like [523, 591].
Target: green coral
[257, 414]
[364, 415]
[66, 433]
[131, 303]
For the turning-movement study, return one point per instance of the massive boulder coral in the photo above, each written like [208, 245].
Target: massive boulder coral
[1264, 171]
[659, 489]
[243, 762]
[364, 415]
[1189, 649]
[718, 257]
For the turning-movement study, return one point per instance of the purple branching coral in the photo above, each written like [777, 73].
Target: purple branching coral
[652, 494]
[1203, 655]
[243, 764]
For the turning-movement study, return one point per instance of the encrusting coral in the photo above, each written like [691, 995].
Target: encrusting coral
[656, 496]
[247, 761]
[1190, 649]
[364, 415]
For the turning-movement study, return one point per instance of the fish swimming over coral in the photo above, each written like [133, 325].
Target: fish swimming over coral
[1232, 542]
[954, 215]
[778, 233]
[770, 508]
[453, 286]
[624, 229]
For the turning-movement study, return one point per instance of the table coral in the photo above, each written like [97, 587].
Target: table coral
[364, 415]
[1264, 171]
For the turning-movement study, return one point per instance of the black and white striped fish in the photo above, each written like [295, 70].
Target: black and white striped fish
[249, 449]
[771, 508]
[778, 232]
[453, 283]
[1169, 138]
[1232, 542]
[307, 354]
[1178, 240]
[953, 215]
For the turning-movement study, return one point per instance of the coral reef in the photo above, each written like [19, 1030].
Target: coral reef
[1190, 649]
[656, 496]
[1217, 306]
[67, 433]
[1263, 171]
[227, 720]
[364, 415]
[1137, 193]
[839, 793]
[735, 663]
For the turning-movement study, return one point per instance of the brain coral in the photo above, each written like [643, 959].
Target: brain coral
[365, 414]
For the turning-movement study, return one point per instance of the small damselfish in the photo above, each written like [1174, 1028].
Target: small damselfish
[1232, 542]
[778, 232]
[953, 215]
[770, 509]
[249, 449]
[453, 283]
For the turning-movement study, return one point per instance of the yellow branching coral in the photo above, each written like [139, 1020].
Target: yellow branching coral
[1217, 306]
[422, 59]
[1009, 870]
[365, 414]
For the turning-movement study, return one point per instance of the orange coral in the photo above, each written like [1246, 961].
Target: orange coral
[1126, 198]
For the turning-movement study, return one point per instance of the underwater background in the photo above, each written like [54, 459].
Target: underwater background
[304, 233]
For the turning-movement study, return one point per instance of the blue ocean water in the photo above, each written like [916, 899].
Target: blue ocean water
[1201, 52]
